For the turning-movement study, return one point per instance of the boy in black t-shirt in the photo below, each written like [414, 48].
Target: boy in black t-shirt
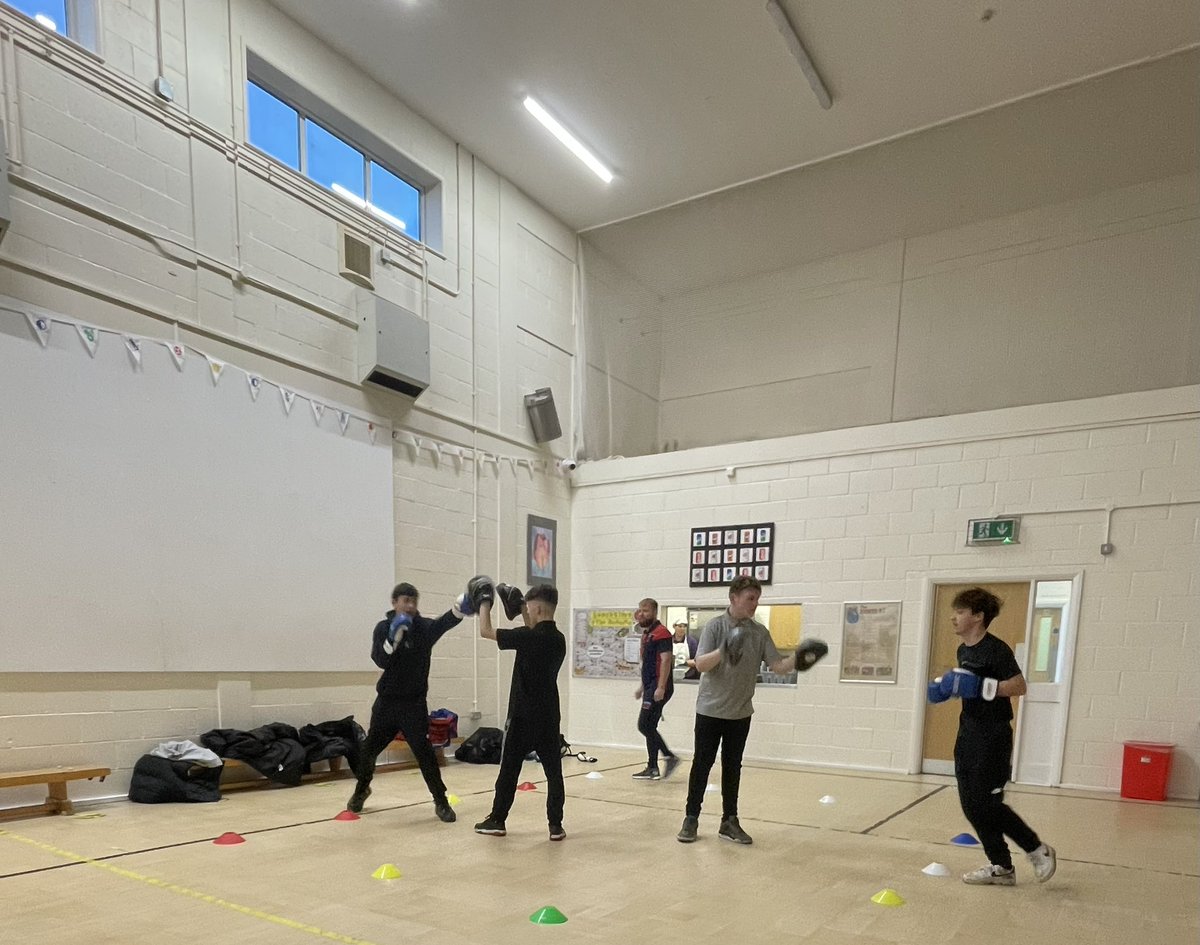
[987, 679]
[533, 709]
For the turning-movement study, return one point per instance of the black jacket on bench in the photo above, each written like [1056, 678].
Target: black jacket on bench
[163, 780]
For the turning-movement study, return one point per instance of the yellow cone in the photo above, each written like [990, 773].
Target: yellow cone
[387, 871]
[454, 799]
[887, 897]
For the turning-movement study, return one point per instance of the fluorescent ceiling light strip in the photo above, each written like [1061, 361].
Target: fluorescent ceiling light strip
[572, 143]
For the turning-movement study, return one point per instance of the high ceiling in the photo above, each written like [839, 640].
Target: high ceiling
[687, 97]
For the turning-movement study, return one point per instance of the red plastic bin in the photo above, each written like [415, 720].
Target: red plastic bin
[1146, 770]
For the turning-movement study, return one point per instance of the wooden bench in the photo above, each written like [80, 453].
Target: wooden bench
[238, 774]
[55, 780]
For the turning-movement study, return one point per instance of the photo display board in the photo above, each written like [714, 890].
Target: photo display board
[719, 553]
[605, 644]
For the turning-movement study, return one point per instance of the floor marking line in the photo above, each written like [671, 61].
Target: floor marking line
[185, 891]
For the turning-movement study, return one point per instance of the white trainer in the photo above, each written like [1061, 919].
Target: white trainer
[1044, 861]
[991, 876]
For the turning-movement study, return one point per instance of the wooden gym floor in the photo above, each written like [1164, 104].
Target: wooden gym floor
[124, 873]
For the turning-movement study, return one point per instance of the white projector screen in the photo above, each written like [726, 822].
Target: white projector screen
[153, 521]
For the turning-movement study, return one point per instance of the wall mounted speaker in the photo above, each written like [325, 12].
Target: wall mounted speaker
[543, 418]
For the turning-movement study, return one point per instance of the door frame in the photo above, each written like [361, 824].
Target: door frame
[1066, 654]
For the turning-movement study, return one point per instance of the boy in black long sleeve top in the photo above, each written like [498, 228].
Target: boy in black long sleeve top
[402, 646]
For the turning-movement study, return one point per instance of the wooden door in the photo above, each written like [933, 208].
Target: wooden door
[941, 721]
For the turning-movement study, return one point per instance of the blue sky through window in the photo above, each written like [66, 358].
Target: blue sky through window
[332, 163]
[274, 126]
[54, 10]
[397, 198]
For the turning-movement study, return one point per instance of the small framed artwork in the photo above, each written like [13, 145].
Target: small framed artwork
[731, 550]
[541, 550]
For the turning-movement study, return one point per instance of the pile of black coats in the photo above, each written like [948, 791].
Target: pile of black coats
[278, 751]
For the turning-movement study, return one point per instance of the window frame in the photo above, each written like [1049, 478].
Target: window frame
[372, 148]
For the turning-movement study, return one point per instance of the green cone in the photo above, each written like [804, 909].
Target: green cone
[548, 915]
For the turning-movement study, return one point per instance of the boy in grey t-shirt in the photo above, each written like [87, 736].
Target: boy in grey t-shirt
[732, 647]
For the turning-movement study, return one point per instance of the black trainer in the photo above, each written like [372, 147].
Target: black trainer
[672, 763]
[491, 827]
[557, 832]
[444, 811]
[732, 830]
[358, 798]
[687, 833]
[647, 774]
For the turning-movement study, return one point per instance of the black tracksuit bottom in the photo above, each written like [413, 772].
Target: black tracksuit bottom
[983, 765]
[390, 716]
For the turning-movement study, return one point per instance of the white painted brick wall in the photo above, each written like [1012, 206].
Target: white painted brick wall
[78, 140]
[1137, 673]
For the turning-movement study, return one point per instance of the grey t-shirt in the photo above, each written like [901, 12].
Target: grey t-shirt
[727, 691]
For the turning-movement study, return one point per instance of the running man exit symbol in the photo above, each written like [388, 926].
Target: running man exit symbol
[993, 531]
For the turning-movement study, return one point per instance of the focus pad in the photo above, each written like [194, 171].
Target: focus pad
[481, 591]
[809, 653]
[512, 598]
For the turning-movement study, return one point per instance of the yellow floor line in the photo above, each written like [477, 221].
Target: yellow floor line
[185, 891]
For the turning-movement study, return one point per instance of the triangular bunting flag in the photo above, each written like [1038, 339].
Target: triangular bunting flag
[134, 347]
[371, 431]
[41, 327]
[255, 383]
[177, 353]
[288, 396]
[89, 336]
[215, 367]
[318, 409]
[343, 420]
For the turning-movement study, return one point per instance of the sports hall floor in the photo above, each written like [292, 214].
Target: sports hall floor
[1128, 872]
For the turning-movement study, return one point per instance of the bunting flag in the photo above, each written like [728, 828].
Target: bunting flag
[89, 337]
[215, 367]
[255, 383]
[371, 432]
[343, 420]
[177, 353]
[41, 327]
[288, 396]
[134, 347]
[318, 408]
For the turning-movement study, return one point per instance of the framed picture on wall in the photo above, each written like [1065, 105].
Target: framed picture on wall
[541, 550]
[729, 551]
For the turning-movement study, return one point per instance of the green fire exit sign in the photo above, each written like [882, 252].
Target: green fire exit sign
[993, 531]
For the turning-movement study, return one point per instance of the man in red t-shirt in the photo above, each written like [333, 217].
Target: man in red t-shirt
[656, 689]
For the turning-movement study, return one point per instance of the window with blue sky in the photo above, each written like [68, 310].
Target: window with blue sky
[304, 144]
[52, 14]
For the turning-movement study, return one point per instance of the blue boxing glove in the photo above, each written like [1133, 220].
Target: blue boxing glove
[934, 693]
[400, 623]
[964, 684]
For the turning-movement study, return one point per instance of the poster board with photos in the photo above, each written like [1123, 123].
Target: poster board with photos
[719, 553]
[605, 644]
[870, 641]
